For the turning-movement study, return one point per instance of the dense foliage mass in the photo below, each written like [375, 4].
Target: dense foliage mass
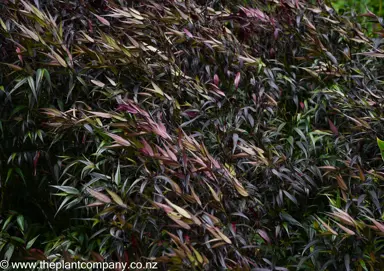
[359, 6]
[200, 135]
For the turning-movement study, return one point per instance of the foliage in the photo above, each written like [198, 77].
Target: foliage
[198, 135]
[364, 10]
[360, 6]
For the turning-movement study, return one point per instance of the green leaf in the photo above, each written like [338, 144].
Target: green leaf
[117, 175]
[63, 204]
[156, 89]
[9, 174]
[3, 24]
[7, 222]
[39, 78]
[363, 265]
[20, 222]
[31, 242]
[300, 133]
[68, 189]
[116, 198]
[17, 239]
[59, 59]
[32, 86]
[380, 143]
[8, 254]
[19, 84]
[48, 78]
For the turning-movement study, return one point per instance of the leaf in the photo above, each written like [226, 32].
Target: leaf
[113, 83]
[214, 194]
[223, 236]
[3, 24]
[119, 140]
[179, 222]
[101, 197]
[361, 174]
[363, 265]
[188, 33]
[235, 139]
[379, 225]
[116, 198]
[198, 255]
[157, 89]
[195, 196]
[136, 14]
[8, 254]
[63, 204]
[28, 32]
[343, 216]
[290, 219]
[380, 143]
[117, 177]
[301, 134]
[67, 189]
[333, 128]
[59, 59]
[9, 174]
[314, 74]
[7, 222]
[101, 114]
[31, 242]
[20, 222]
[373, 54]
[179, 209]
[348, 231]
[237, 80]
[147, 149]
[216, 80]
[98, 83]
[88, 37]
[166, 208]
[39, 78]
[264, 235]
[32, 86]
[347, 262]
[332, 58]
[13, 66]
[19, 84]
[291, 197]
[330, 168]
[96, 203]
[341, 183]
[102, 20]
[239, 187]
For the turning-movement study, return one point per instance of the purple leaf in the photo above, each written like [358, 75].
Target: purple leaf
[127, 108]
[188, 33]
[102, 20]
[147, 149]
[333, 128]
[237, 80]
[264, 235]
[216, 80]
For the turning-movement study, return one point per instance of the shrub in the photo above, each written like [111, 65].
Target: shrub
[197, 136]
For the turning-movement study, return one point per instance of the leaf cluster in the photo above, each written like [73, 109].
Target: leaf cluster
[201, 136]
